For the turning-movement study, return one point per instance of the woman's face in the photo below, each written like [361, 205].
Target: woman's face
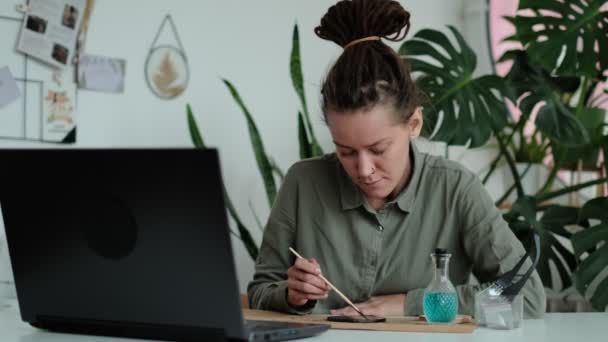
[373, 148]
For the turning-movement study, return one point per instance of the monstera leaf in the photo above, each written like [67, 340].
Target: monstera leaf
[591, 247]
[567, 37]
[522, 218]
[534, 87]
[553, 222]
[604, 146]
[466, 109]
[593, 121]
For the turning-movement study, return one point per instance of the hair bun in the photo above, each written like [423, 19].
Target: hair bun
[349, 20]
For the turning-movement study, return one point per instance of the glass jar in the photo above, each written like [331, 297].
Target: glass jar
[497, 312]
[440, 301]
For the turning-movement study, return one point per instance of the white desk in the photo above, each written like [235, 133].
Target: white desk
[587, 327]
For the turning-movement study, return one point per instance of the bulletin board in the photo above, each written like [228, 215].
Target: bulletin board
[46, 109]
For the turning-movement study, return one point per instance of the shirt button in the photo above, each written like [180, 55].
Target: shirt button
[380, 228]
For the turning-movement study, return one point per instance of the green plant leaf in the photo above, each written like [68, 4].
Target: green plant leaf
[305, 148]
[523, 217]
[258, 222]
[569, 258]
[258, 147]
[596, 208]
[195, 134]
[554, 220]
[556, 217]
[297, 78]
[570, 37]
[296, 68]
[316, 150]
[588, 238]
[604, 144]
[564, 272]
[593, 120]
[471, 108]
[244, 234]
[277, 170]
[588, 270]
[600, 299]
[556, 121]
[533, 87]
[591, 248]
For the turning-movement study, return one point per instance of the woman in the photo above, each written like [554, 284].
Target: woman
[369, 215]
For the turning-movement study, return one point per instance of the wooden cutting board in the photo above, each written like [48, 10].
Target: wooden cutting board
[410, 324]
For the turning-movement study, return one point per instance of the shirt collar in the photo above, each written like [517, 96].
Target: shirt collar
[351, 196]
[405, 199]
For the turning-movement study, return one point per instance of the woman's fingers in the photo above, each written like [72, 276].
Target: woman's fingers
[307, 271]
[304, 283]
[296, 284]
[308, 266]
[311, 279]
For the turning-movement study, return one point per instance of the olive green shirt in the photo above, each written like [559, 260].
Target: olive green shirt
[321, 213]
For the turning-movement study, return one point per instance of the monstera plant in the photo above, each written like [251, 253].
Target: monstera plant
[591, 248]
[555, 74]
[309, 147]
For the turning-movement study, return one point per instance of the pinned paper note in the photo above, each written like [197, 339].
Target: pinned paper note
[49, 30]
[9, 91]
[59, 110]
[101, 73]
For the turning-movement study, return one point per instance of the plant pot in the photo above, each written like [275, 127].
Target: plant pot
[531, 181]
[567, 178]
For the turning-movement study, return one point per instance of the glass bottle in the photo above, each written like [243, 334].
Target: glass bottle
[440, 301]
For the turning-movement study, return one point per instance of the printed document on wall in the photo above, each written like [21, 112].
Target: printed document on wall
[59, 110]
[50, 29]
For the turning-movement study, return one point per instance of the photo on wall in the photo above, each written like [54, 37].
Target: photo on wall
[70, 16]
[60, 53]
[36, 24]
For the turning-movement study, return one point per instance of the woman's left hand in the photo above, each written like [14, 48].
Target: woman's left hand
[384, 306]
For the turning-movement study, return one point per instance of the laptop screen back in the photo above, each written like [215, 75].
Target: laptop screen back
[135, 236]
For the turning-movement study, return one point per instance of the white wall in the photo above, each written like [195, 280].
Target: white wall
[247, 42]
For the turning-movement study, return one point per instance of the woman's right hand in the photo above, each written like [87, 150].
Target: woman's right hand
[304, 283]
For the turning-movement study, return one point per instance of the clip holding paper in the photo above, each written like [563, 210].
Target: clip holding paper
[23, 8]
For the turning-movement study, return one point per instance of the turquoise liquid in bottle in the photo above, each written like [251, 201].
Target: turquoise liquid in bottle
[440, 301]
[440, 307]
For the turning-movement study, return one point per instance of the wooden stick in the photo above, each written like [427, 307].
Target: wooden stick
[332, 286]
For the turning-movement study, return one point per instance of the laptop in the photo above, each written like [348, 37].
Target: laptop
[126, 242]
